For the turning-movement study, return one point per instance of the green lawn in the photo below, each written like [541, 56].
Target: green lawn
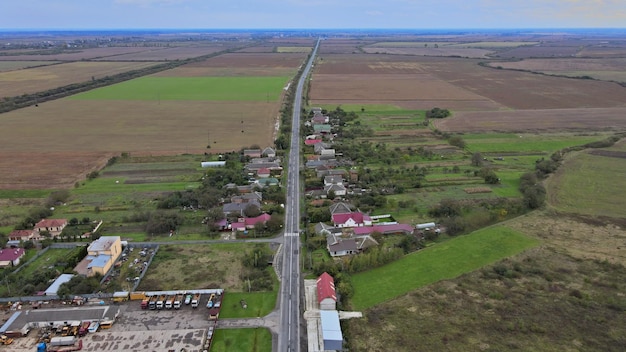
[441, 261]
[242, 340]
[259, 304]
[191, 88]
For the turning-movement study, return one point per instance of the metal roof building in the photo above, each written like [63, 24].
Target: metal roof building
[52, 290]
[331, 330]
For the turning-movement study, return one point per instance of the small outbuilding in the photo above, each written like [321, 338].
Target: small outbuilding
[206, 164]
[54, 288]
[326, 295]
[331, 330]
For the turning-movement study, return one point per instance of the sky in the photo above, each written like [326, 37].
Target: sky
[313, 14]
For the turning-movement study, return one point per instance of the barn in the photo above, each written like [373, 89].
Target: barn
[326, 296]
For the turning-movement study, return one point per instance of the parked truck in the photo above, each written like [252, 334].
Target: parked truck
[145, 302]
[178, 301]
[160, 304]
[152, 302]
[188, 298]
[195, 301]
[169, 303]
[211, 302]
[62, 341]
[136, 296]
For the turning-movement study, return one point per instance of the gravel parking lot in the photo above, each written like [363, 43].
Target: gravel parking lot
[140, 330]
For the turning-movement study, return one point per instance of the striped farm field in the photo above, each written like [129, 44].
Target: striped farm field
[442, 261]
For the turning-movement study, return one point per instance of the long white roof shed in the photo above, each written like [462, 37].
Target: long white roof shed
[331, 330]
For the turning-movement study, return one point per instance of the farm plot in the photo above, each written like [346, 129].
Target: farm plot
[18, 65]
[602, 69]
[523, 90]
[101, 129]
[430, 51]
[39, 79]
[79, 54]
[390, 89]
[590, 184]
[164, 54]
[526, 143]
[191, 88]
[592, 119]
[239, 64]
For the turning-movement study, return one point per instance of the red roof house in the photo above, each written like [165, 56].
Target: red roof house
[326, 296]
[312, 141]
[10, 256]
[249, 223]
[53, 226]
[354, 219]
[24, 235]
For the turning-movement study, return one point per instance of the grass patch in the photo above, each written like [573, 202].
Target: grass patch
[176, 267]
[589, 184]
[525, 143]
[259, 304]
[191, 88]
[442, 261]
[541, 300]
[242, 340]
[24, 193]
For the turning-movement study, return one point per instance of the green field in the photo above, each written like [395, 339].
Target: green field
[191, 88]
[24, 193]
[590, 184]
[442, 261]
[259, 304]
[242, 340]
[525, 143]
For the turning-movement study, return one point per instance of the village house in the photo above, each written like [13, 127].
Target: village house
[11, 257]
[252, 153]
[354, 219]
[333, 180]
[338, 190]
[339, 245]
[268, 152]
[52, 226]
[24, 235]
[243, 224]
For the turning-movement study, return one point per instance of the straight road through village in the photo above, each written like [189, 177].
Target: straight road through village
[289, 335]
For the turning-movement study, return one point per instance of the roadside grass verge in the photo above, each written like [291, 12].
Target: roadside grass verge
[442, 261]
[242, 340]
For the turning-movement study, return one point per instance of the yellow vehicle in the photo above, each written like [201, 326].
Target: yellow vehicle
[5, 340]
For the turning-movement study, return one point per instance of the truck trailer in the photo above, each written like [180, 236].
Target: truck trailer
[178, 301]
[169, 302]
[152, 302]
[160, 303]
[195, 301]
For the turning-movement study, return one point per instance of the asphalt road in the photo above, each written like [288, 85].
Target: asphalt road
[290, 317]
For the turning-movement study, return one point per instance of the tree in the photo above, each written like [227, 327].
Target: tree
[251, 210]
[457, 141]
[477, 159]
